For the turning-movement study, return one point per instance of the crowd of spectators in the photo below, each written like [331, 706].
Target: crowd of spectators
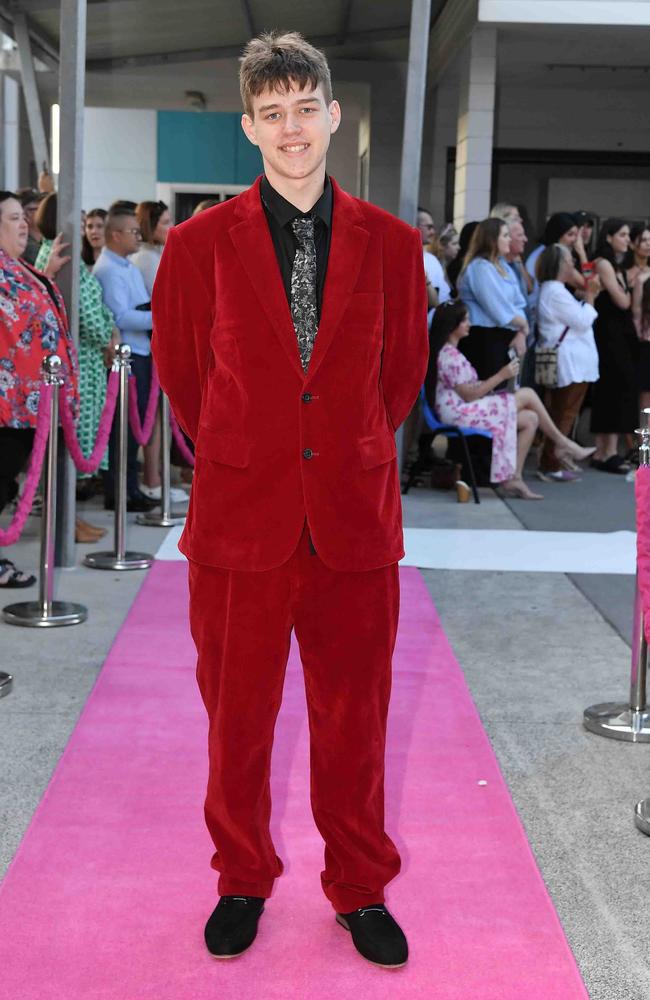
[121, 248]
[579, 293]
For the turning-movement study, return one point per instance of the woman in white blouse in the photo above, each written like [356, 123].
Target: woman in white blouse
[154, 221]
[564, 322]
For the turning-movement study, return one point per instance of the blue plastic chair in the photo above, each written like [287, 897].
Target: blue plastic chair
[453, 431]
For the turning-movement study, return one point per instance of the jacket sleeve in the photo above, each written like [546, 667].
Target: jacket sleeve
[182, 318]
[406, 340]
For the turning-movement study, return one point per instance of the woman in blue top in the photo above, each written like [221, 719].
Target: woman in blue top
[497, 309]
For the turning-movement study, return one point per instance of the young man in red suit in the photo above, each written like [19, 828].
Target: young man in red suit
[290, 335]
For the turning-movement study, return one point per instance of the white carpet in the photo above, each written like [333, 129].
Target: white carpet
[521, 551]
[518, 551]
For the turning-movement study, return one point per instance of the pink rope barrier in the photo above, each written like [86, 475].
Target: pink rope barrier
[143, 431]
[642, 492]
[91, 464]
[181, 443]
[10, 535]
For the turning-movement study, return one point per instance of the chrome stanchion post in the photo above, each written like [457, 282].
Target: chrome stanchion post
[165, 519]
[642, 809]
[47, 612]
[120, 558]
[630, 722]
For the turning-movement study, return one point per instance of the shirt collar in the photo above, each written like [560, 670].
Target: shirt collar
[115, 257]
[284, 212]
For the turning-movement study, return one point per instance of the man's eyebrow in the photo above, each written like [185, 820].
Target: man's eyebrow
[303, 100]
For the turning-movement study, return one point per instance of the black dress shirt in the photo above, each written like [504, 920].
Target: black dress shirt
[279, 215]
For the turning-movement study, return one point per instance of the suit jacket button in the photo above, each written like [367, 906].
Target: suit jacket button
[307, 453]
[306, 397]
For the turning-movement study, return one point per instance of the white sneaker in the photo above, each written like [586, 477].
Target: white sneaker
[176, 495]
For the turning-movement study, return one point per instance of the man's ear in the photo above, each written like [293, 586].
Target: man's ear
[335, 115]
[248, 125]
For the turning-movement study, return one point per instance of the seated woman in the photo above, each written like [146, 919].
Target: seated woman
[454, 391]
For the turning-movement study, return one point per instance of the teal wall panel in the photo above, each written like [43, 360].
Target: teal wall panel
[205, 147]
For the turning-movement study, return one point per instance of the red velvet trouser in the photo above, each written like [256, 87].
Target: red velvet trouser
[345, 624]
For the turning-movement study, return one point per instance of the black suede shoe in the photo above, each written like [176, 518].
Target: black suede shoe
[376, 935]
[232, 927]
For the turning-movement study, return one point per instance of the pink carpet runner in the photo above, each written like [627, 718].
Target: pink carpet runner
[109, 891]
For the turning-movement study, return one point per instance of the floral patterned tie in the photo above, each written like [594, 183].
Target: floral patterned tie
[304, 304]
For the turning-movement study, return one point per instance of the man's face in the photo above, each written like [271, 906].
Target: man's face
[126, 238]
[518, 238]
[293, 131]
[586, 232]
[427, 227]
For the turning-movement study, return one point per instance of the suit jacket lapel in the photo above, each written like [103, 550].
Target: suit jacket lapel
[253, 243]
[347, 250]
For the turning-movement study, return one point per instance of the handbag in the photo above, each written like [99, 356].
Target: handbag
[546, 363]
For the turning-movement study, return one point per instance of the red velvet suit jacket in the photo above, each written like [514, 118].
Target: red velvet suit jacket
[273, 446]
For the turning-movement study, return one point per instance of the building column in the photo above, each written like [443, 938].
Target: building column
[30, 90]
[475, 133]
[409, 188]
[72, 71]
[9, 136]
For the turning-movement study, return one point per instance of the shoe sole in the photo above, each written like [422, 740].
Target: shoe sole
[342, 923]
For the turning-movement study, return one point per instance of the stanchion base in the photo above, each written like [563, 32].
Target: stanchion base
[108, 560]
[642, 816]
[6, 684]
[30, 614]
[618, 722]
[151, 520]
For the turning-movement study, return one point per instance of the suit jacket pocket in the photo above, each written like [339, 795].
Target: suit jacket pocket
[225, 446]
[377, 449]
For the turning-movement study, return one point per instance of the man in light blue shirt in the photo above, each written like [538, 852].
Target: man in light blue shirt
[126, 296]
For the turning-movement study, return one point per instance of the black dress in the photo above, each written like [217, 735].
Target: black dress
[615, 401]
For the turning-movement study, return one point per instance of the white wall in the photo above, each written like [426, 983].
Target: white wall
[631, 12]
[120, 156]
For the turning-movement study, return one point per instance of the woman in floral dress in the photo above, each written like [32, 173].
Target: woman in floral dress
[33, 324]
[457, 396]
[96, 327]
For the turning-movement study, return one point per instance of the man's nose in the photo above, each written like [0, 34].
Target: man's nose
[292, 124]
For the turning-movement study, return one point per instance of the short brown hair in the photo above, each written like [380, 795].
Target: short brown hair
[149, 214]
[275, 60]
[45, 217]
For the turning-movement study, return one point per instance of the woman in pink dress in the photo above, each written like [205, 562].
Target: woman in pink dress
[457, 396]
